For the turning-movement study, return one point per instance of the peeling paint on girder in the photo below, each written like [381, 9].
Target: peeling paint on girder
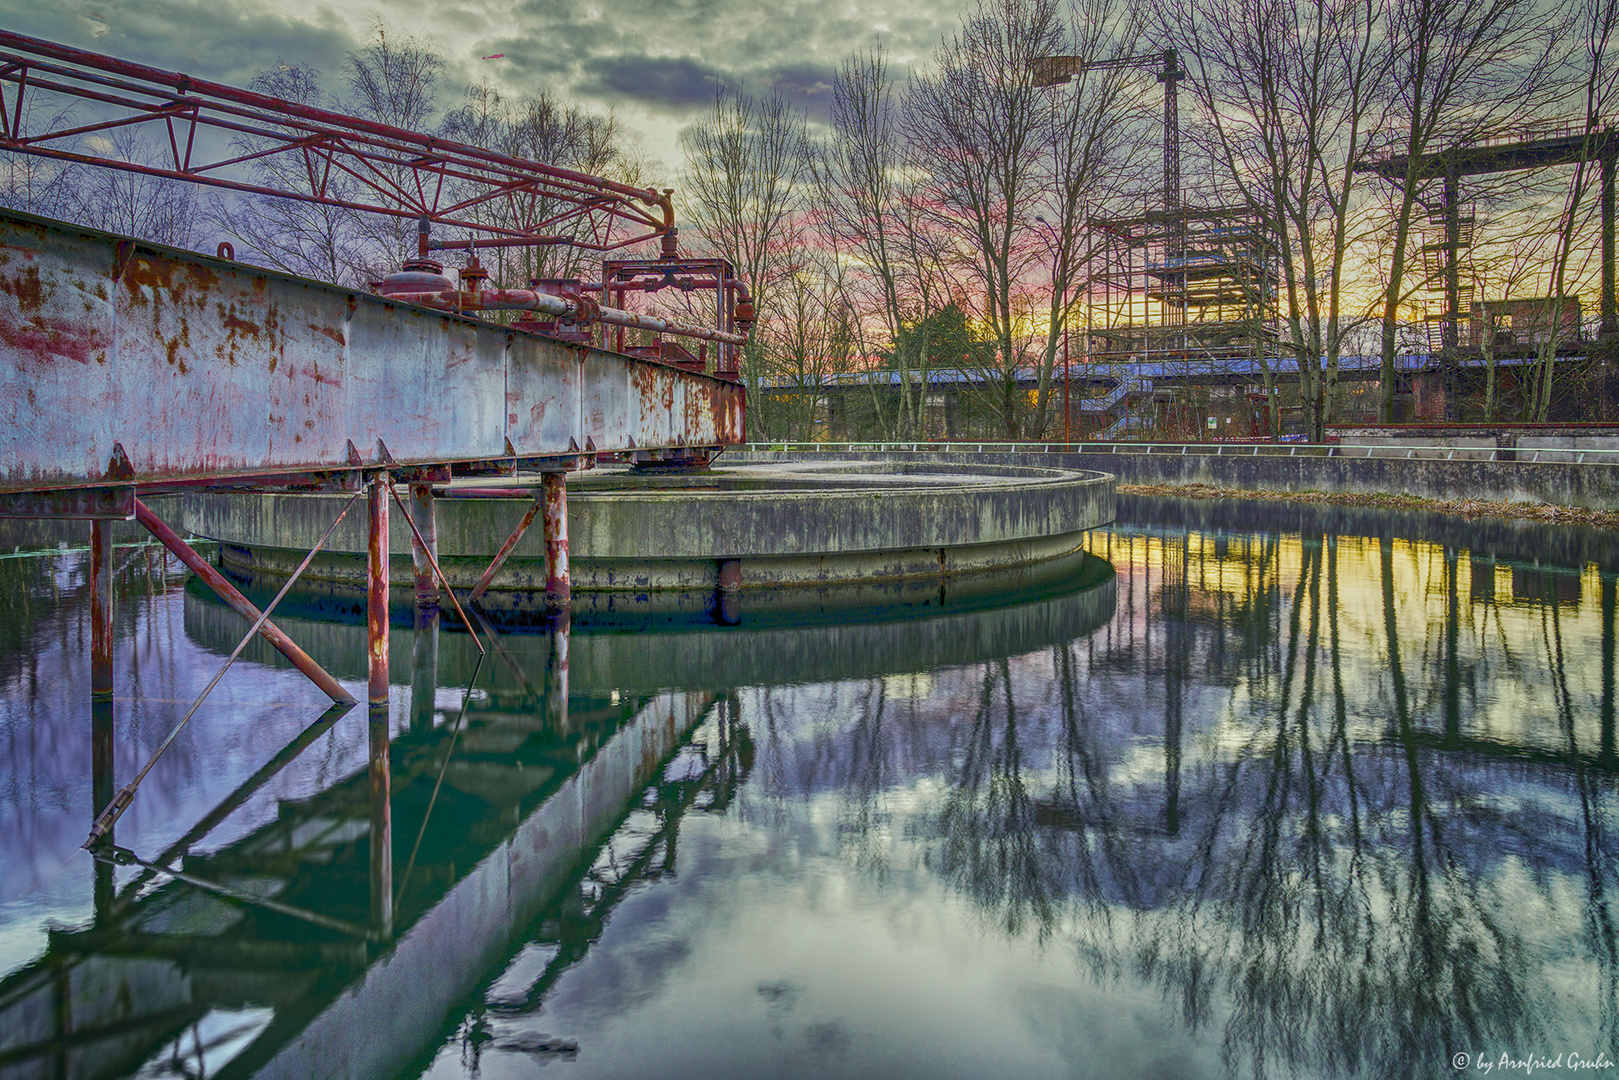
[203, 368]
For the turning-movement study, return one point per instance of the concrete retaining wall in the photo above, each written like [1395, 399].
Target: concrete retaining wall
[1591, 486]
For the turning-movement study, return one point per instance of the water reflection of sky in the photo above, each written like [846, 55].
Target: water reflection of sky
[1329, 805]
[1316, 805]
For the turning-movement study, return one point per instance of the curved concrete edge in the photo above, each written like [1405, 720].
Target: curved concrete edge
[858, 527]
[810, 586]
[630, 575]
[1559, 483]
[990, 505]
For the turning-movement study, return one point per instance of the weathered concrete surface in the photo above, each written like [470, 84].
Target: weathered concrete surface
[796, 526]
[1562, 483]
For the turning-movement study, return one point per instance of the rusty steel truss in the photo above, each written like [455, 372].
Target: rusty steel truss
[52, 97]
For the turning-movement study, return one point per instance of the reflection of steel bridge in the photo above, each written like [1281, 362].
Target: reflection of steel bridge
[258, 955]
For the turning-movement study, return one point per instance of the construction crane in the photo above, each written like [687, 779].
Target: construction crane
[1057, 70]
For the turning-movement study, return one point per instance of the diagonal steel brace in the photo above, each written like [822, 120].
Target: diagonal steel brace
[245, 607]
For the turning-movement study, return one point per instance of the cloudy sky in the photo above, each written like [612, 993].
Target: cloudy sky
[656, 61]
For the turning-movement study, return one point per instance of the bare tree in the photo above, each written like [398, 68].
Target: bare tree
[306, 238]
[1001, 152]
[393, 80]
[546, 129]
[978, 111]
[865, 204]
[746, 167]
[135, 204]
[811, 342]
[1288, 92]
[35, 184]
[1598, 22]
[1461, 69]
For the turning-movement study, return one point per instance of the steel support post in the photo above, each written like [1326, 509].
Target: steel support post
[100, 609]
[424, 669]
[103, 784]
[558, 590]
[556, 673]
[381, 781]
[376, 606]
[245, 607]
[424, 545]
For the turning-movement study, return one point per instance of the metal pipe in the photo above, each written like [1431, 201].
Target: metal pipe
[376, 596]
[558, 588]
[100, 609]
[562, 308]
[233, 596]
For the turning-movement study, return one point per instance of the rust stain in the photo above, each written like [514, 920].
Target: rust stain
[26, 287]
[203, 275]
[312, 371]
[329, 332]
[44, 341]
[147, 272]
[230, 322]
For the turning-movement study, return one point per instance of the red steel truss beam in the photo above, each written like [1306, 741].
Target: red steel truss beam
[387, 170]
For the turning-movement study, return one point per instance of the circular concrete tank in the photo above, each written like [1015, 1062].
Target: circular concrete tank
[797, 536]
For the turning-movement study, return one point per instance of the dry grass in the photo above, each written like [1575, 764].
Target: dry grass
[1562, 515]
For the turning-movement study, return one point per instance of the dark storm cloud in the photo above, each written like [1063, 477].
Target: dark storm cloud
[659, 58]
[809, 88]
[667, 82]
[222, 41]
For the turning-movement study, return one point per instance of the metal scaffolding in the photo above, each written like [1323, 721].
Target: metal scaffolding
[1186, 296]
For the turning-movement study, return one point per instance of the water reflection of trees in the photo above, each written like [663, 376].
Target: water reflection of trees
[1338, 868]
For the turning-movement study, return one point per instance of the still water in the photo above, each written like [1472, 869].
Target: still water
[1270, 791]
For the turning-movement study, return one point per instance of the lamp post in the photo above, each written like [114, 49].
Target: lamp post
[1056, 252]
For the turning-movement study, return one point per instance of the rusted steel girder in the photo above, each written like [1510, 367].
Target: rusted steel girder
[132, 363]
[558, 583]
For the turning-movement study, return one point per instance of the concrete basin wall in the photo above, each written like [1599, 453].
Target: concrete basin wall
[788, 526]
[1302, 468]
